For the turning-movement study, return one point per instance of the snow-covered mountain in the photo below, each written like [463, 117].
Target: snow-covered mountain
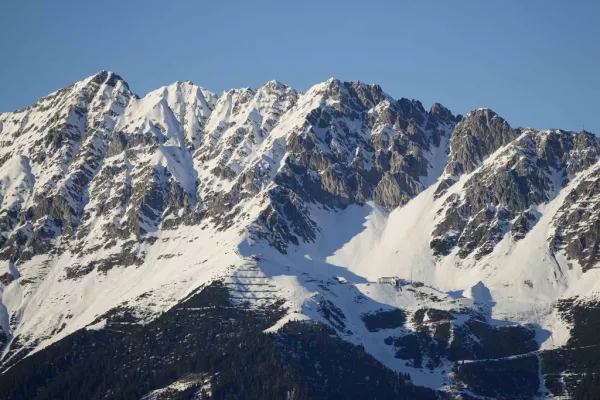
[115, 209]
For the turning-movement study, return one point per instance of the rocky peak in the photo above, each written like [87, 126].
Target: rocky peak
[439, 121]
[273, 98]
[61, 142]
[440, 113]
[348, 97]
[240, 123]
[586, 150]
[108, 78]
[274, 85]
[478, 135]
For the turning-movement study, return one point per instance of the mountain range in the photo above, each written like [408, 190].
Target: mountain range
[193, 245]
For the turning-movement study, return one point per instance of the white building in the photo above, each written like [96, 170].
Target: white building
[390, 280]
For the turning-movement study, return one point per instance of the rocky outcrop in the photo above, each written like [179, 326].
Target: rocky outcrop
[501, 196]
[477, 136]
[577, 223]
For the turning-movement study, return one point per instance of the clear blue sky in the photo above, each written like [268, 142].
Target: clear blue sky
[535, 62]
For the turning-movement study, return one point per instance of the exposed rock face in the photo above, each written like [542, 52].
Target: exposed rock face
[57, 146]
[341, 143]
[502, 195]
[477, 136]
[577, 223]
[356, 145]
[239, 124]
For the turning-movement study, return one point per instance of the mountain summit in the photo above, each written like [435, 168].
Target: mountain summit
[335, 236]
